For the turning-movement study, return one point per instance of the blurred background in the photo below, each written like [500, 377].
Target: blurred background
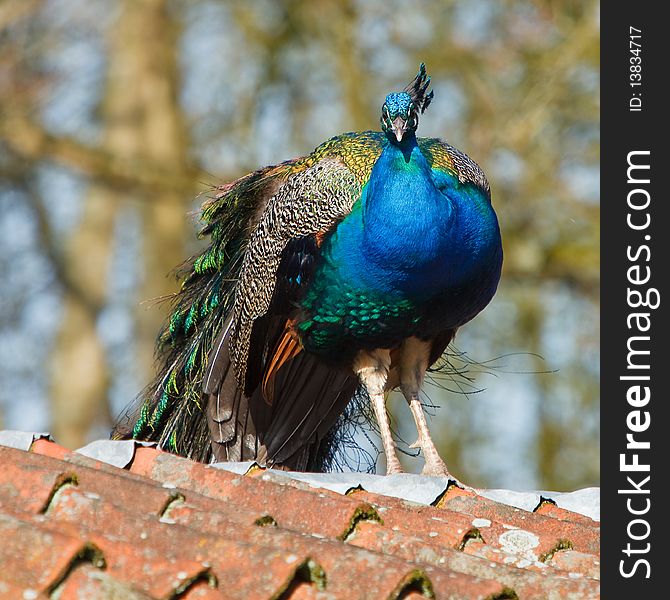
[115, 115]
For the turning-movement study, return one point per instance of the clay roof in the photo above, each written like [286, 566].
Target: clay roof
[73, 527]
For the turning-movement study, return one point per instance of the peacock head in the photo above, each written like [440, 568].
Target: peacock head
[400, 111]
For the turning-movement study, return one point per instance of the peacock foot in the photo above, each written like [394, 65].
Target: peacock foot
[437, 468]
[393, 467]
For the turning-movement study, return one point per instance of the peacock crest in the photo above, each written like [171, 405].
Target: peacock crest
[418, 88]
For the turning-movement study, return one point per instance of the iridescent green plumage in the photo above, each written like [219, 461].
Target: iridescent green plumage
[171, 410]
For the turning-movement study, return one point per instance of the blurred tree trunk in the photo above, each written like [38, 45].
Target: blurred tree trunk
[142, 121]
[79, 375]
[150, 78]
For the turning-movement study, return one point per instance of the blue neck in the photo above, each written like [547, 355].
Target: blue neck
[401, 202]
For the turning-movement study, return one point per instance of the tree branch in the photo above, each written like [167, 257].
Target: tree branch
[31, 142]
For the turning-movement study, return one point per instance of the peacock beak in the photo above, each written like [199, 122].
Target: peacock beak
[399, 126]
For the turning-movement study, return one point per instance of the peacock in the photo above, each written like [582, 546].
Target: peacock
[344, 272]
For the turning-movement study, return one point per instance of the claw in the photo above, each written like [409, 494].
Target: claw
[439, 469]
[436, 468]
[394, 468]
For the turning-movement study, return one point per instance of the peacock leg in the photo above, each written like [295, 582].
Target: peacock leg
[413, 365]
[434, 465]
[372, 369]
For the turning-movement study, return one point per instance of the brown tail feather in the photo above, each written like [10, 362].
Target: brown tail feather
[309, 396]
[288, 413]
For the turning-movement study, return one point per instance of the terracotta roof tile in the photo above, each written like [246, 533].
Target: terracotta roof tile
[48, 448]
[86, 583]
[280, 502]
[580, 563]
[202, 590]
[549, 529]
[38, 558]
[548, 508]
[166, 527]
[472, 556]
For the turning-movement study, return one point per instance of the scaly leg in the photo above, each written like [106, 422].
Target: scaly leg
[413, 365]
[372, 369]
[434, 465]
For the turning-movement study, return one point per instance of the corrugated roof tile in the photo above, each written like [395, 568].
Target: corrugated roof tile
[38, 558]
[166, 527]
[547, 507]
[479, 564]
[202, 590]
[549, 530]
[30, 488]
[570, 561]
[254, 493]
[88, 583]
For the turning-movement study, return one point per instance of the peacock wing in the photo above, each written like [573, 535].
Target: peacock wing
[169, 410]
[309, 202]
[256, 362]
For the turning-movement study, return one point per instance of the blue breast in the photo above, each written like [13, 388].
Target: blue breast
[414, 231]
[418, 247]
